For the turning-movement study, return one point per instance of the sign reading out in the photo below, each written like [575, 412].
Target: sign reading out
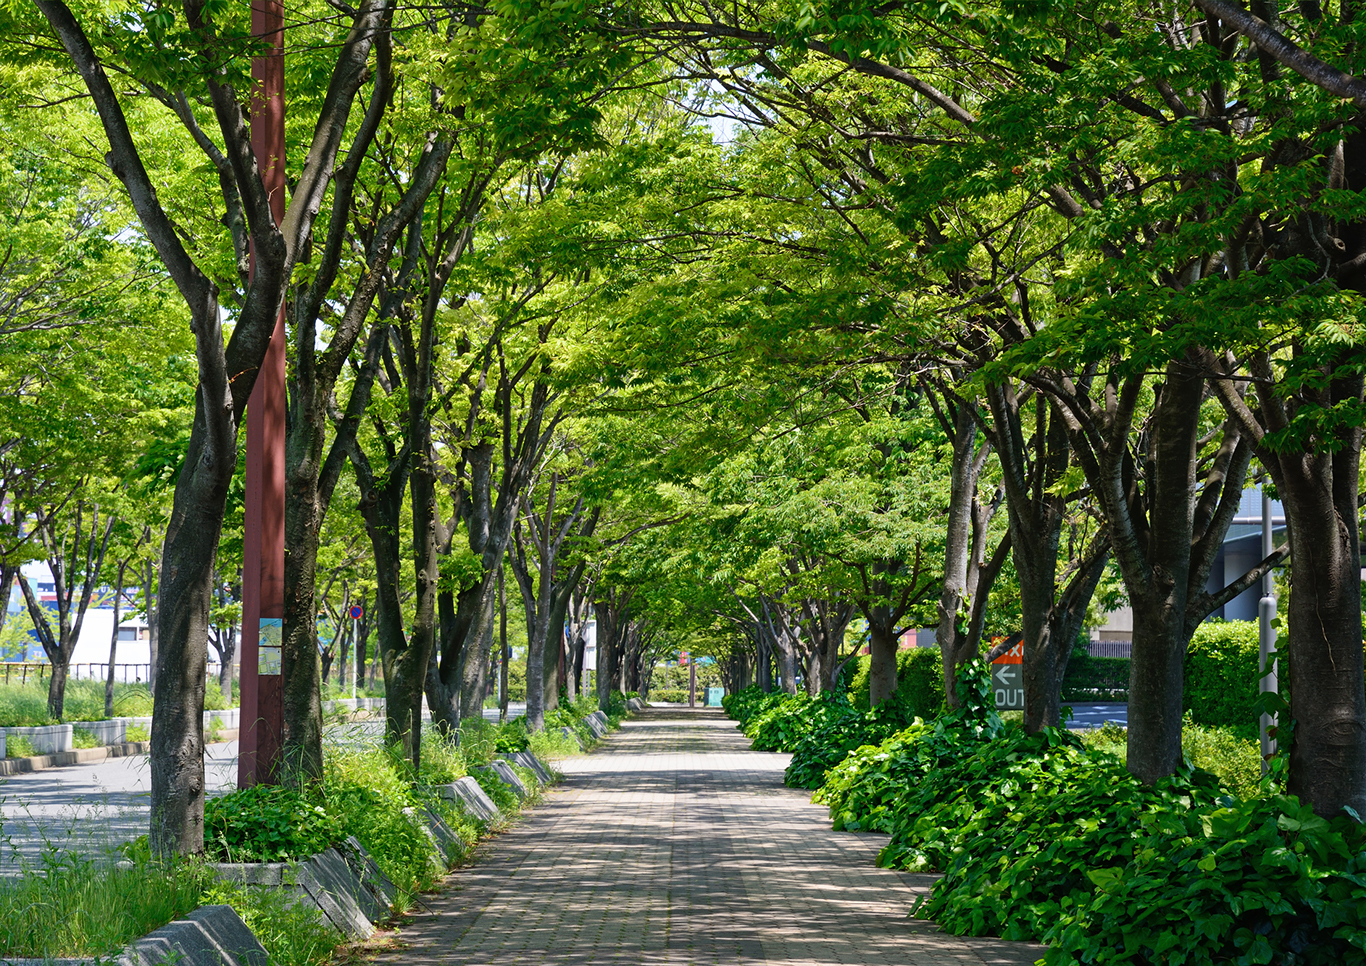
[1007, 678]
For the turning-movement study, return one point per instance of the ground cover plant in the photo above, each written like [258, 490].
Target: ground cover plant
[1048, 837]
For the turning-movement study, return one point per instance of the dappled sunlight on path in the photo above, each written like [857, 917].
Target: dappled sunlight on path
[675, 844]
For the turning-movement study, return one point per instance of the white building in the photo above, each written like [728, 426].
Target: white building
[91, 657]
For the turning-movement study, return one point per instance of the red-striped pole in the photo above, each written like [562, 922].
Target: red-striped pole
[263, 539]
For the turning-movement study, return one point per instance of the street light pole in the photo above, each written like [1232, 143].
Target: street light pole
[263, 536]
[1266, 613]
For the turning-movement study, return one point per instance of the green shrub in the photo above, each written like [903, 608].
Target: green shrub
[81, 738]
[838, 732]
[137, 733]
[17, 746]
[745, 705]
[267, 823]
[1095, 678]
[511, 736]
[780, 726]
[669, 695]
[919, 679]
[1234, 759]
[1042, 838]
[1222, 679]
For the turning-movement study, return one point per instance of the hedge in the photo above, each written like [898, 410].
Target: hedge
[919, 679]
[1221, 675]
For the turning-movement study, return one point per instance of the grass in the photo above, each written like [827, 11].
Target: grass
[17, 746]
[25, 705]
[81, 738]
[1235, 759]
[78, 908]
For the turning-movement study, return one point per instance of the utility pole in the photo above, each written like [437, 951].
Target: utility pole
[263, 538]
[1266, 612]
[504, 655]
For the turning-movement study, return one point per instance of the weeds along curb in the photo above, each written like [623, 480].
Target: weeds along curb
[209, 936]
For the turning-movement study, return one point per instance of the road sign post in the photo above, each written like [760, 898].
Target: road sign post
[356, 612]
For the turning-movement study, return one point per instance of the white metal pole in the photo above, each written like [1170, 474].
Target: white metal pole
[1266, 613]
[355, 640]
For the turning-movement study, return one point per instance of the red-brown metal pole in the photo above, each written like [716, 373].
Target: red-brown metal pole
[263, 539]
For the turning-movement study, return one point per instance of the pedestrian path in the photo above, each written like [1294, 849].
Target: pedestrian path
[677, 845]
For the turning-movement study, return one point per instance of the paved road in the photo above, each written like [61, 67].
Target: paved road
[94, 807]
[677, 845]
[1096, 714]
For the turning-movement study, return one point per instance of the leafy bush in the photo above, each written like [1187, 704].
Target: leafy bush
[137, 733]
[779, 727]
[17, 746]
[267, 823]
[669, 695]
[919, 679]
[745, 705]
[1040, 837]
[1235, 760]
[837, 733]
[512, 736]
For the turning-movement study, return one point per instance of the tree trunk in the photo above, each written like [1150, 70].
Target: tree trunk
[113, 640]
[882, 646]
[1327, 701]
[225, 668]
[956, 645]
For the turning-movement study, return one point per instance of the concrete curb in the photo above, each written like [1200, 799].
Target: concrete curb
[83, 756]
[78, 756]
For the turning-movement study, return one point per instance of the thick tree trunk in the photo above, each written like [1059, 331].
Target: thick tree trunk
[1159, 591]
[301, 673]
[882, 645]
[957, 645]
[1327, 701]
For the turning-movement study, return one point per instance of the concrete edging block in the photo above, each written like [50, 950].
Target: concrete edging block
[209, 936]
[527, 760]
[379, 886]
[510, 778]
[332, 885]
[594, 725]
[473, 798]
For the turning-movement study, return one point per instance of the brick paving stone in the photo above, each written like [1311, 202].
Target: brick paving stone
[676, 845]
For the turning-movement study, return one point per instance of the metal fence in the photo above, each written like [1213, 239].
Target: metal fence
[1122, 649]
[21, 672]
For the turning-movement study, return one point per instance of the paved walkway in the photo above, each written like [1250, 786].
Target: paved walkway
[677, 845]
